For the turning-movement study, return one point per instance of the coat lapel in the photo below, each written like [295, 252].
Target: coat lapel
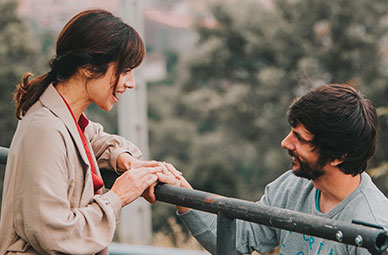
[54, 102]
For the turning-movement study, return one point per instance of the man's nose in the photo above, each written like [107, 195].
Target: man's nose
[287, 142]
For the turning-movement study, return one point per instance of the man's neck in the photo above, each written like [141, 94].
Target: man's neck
[335, 186]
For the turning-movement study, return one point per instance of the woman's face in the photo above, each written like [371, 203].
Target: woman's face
[101, 92]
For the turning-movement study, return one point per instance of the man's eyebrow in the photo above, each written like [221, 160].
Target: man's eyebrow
[300, 138]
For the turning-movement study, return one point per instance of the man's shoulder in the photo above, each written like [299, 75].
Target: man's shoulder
[368, 204]
[371, 194]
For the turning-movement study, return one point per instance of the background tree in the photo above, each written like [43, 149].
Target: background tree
[229, 104]
[220, 116]
[19, 53]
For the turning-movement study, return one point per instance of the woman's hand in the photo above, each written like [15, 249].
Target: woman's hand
[171, 175]
[131, 184]
[126, 162]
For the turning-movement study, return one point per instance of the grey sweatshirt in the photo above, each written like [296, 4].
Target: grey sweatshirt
[366, 203]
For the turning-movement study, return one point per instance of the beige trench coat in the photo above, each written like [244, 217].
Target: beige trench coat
[49, 206]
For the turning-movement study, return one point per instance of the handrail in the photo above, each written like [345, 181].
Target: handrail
[3, 155]
[229, 209]
[374, 239]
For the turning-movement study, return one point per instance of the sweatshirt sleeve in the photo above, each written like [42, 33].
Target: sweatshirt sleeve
[203, 226]
[44, 216]
[249, 236]
[108, 147]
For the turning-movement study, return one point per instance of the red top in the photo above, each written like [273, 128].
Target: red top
[81, 125]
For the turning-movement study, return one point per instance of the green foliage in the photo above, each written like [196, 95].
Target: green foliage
[18, 54]
[223, 121]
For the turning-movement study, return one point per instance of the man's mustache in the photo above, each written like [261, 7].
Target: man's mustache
[292, 154]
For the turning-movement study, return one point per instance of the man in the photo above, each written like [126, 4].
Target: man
[333, 135]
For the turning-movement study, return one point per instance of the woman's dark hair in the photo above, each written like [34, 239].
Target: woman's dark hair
[344, 125]
[93, 39]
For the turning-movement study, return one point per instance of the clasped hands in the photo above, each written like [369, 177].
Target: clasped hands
[140, 177]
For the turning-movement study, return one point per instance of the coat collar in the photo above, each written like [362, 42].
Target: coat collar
[54, 102]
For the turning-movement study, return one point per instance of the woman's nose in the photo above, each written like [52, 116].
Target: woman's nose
[130, 85]
[129, 80]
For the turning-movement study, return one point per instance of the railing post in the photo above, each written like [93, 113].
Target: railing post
[226, 235]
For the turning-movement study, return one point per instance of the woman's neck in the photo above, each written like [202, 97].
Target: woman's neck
[75, 93]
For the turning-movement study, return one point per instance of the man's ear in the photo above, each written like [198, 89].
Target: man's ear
[336, 162]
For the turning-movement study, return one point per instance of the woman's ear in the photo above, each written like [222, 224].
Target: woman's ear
[87, 73]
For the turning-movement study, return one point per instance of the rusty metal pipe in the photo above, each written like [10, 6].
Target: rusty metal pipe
[374, 239]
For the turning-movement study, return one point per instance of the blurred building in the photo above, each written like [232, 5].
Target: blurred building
[168, 23]
[52, 15]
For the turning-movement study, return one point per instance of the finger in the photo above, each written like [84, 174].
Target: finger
[173, 170]
[156, 163]
[151, 194]
[151, 163]
[169, 179]
[148, 180]
[184, 183]
[148, 194]
[142, 171]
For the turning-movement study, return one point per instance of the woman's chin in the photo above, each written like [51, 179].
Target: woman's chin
[106, 108]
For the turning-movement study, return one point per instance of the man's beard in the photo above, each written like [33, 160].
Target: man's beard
[307, 170]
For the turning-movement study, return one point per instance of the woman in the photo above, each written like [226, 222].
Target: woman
[53, 199]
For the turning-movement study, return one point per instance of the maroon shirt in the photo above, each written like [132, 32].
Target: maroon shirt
[81, 124]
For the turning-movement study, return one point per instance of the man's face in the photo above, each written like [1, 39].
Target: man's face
[304, 157]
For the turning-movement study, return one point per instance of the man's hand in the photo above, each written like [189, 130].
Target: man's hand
[179, 182]
[171, 176]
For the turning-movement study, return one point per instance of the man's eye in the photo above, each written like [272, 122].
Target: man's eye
[297, 136]
[300, 139]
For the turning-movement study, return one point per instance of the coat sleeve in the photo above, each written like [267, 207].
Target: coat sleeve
[108, 147]
[44, 216]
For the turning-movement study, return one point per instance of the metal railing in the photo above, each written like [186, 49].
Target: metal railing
[3, 155]
[371, 237]
[229, 209]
